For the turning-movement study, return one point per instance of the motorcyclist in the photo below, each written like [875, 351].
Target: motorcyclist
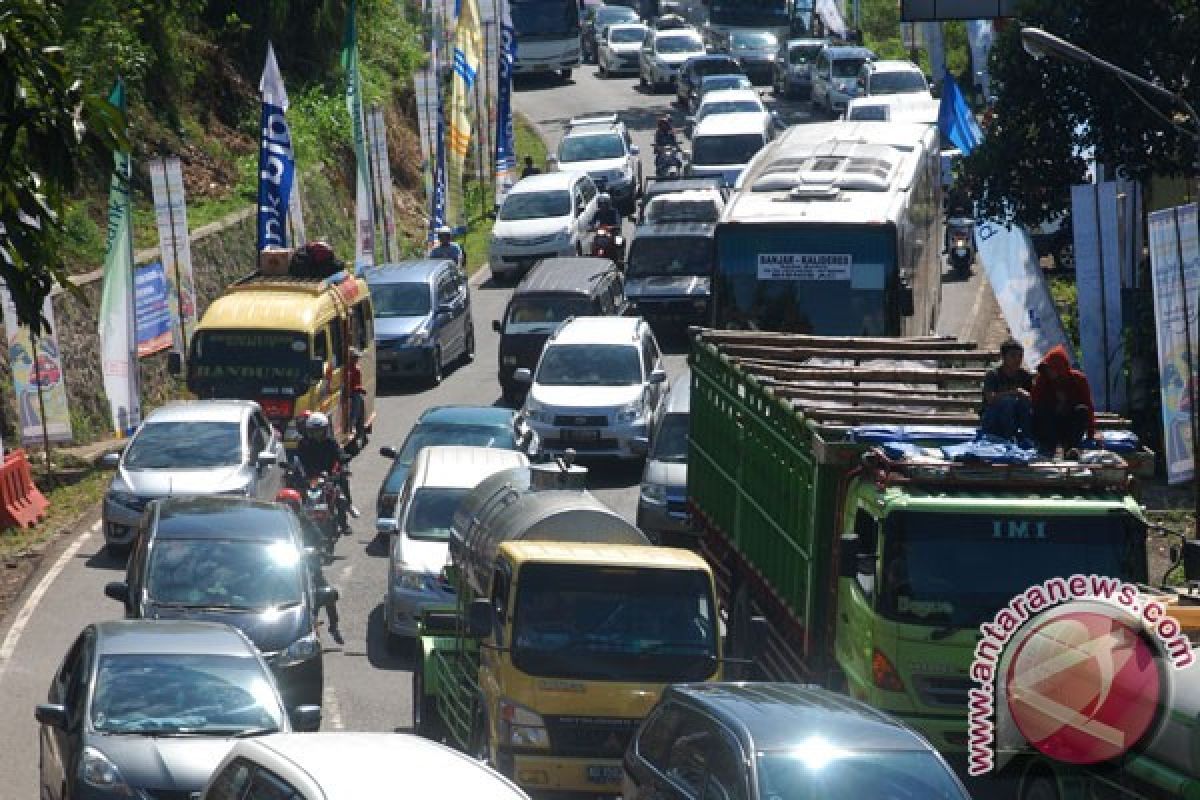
[664, 134]
[312, 538]
[318, 453]
[606, 213]
[447, 248]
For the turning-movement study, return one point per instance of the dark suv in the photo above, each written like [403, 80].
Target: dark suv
[238, 561]
[668, 274]
[749, 741]
[700, 66]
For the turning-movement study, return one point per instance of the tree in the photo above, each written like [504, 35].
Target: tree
[44, 117]
[1048, 113]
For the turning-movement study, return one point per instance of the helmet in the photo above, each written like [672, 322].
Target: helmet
[443, 230]
[317, 426]
[290, 496]
[604, 200]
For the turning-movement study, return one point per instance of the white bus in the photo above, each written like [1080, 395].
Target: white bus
[835, 229]
[547, 33]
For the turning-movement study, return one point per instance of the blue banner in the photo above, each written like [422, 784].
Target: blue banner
[437, 211]
[956, 123]
[276, 161]
[506, 153]
[153, 309]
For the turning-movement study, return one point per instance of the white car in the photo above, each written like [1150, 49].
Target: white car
[618, 50]
[728, 101]
[542, 216]
[876, 78]
[664, 52]
[723, 144]
[352, 766]
[598, 387]
[601, 147]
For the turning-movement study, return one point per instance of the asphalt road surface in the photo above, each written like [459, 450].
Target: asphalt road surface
[367, 688]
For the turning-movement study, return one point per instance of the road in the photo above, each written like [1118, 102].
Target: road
[367, 688]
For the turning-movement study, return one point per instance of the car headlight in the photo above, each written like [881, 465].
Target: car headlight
[629, 413]
[419, 338]
[522, 727]
[123, 499]
[303, 649]
[654, 493]
[95, 769]
[413, 581]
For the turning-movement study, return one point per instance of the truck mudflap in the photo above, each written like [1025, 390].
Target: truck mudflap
[556, 773]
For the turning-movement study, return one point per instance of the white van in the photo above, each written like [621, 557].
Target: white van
[723, 144]
[542, 216]
[440, 477]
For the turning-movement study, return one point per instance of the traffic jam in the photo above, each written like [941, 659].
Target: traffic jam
[866, 559]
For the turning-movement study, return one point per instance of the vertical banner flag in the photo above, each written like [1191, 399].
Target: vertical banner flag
[506, 155]
[170, 214]
[276, 162]
[1012, 269]
[364, 210]
[467, 46]
[425, 87]
[980, 34]
[118, 338]
[36, 363]
[1097, 248]
[1175, 272]
[935, 46]
[381, 168]
[831, 16]
[152, 309]
[956, 123]
[437, 203]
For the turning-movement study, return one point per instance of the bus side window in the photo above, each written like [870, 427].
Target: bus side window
[320, 346]
[335, 338]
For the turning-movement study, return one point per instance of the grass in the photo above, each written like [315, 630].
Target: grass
[67, 504]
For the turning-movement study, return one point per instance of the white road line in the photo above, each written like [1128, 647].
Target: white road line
[333, 712]
[9, 645]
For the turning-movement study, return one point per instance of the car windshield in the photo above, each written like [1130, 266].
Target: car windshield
[183, 694]
[799, 56]
[670, 440]
[544, 19]
[432, 434]
[400, 299]
[727, 149]
[869, 113]
[817, 770]
[714, 107]
[610, 15]
[536, 205]
[237, 358]
[185, 445]
[626, 35]
[670, 255]
[544, 313]
[678, 44]
[431, 512]
[725, 67]
[847, 67]
[615, 623]
[755, 40]
[591, 148]
[590, 365]
[718, 82]
[232, 574]
[897, 83]
[1005, 553]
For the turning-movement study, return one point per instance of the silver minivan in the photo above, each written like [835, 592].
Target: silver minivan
[662, 500]
[835, 78]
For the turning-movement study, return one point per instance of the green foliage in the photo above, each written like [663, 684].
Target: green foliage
[1065, 294]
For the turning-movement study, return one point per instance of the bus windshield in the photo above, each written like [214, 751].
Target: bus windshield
[230, 360]
[544, 19]
[1006, 554]
[749, 13]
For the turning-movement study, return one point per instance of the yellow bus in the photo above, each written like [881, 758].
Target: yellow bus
[284, 342]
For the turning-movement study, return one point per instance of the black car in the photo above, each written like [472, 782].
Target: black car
[148, 708]
[599, 18]
[668, 274]
[553, 291]
[238, 561]
[699, 67]
[756, 741]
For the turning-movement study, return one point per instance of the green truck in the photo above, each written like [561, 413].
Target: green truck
[875, 571]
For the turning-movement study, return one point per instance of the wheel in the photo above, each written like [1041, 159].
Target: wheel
[117, 550]
[565, 73]
[435, 368]
[740, 613]
[642, 80]
[426, 721]
[478, 747]
[511, 397]
[469, 346]
[603, 71]
[1041, 787]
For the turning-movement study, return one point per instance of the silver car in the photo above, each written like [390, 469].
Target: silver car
[191, 448]
[662, 501]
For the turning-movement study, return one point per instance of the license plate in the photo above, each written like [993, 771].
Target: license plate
[572, 435]
[602, 774]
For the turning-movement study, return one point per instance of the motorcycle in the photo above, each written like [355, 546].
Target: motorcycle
[961, 234]
[320, 499]
[667, 162]
[607, 242]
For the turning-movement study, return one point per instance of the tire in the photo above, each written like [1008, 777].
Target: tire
[1040, 787]
[478, 747]
[603, 70]
[511, 397]
[469, 346]
[642, 80]
[435, 367]
[117, 550]
[565, 74]
[426, 721]
[740, 612]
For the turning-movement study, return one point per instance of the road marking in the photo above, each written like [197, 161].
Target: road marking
[9, 645]
[333, 711]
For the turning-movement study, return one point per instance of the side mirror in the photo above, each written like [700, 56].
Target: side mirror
[523, 375]
[266, 459]
[110, 460]
[326, 596]
[479, 617]
[316, 368]
[52, 715]
[386, 526]
[174, 363]
[635, 150]
[496, 326]
[305, 718]
[658, 376]
[117, 590]
[388, 452]
[639, 446]
[906, 302]
[1191, 560]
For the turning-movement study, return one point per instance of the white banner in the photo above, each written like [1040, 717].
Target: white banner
[979, 36]
[381, 169]
[1016, 278]
[175, 248]
[1175, 271]
[426, 87]
[1094, 221]
[36, 365]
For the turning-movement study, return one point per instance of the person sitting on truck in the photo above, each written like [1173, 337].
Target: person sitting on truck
[1063, 411]
[1007, 405]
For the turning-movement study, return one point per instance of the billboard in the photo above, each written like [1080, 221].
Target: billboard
[930, 10]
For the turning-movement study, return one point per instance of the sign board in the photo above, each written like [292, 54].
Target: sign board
[803, 267]
[153, 309]
[930, 10]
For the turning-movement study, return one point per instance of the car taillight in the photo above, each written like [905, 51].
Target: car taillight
[883, 674]
[276, 406]
[387, 505]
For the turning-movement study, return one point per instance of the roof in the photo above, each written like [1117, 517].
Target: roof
[712, 57]
[806, 41]
[740, 122]
[848, 51]
[627, 555]
[460, 466]
[675, 229]
[625, 26]
[657, 186]
[729, 96]
[222, 517]
[781, 716]
[352, 765]
[275, 304]
[202, 411]
[170, 637]
[468, 415]
[416, 270]
[895, 66]
[666, 33]
[546, 181]
[569, 274]
[591, 330]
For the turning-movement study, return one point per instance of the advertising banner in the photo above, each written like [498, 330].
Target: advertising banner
[364, 208]
[381, 169]
[153, 309]
[506, 154]
[37, 365]
[170, 213]
[276, 161]
[1094, 215]
[1175, 273]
